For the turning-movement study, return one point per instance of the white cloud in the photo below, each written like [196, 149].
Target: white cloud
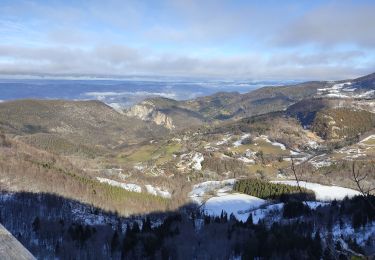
[340, 22]
[327, 40]
[122, 60]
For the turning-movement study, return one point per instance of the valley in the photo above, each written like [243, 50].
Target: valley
[95, 167]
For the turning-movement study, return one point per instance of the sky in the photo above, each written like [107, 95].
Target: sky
[234, 39]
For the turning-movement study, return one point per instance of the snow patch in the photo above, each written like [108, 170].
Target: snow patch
[125, 186]
[225, 140]
[265, 138]
[368, 139]
[139, 167]
[193, 160]
[321, 161]
[239, 142]
[313, 144]
[158, 191]
[197, 161]
[344, 90]
[117, 106]
[250, 154]
[246, 160]
[271, 211]
[360, 235]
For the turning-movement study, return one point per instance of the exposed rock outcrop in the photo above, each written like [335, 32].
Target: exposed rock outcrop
[148, 112]
[11, 248]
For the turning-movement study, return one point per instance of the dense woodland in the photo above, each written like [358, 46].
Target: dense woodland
[342, 122]
[272, 191]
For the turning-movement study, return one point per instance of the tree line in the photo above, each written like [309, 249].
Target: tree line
[274, 191]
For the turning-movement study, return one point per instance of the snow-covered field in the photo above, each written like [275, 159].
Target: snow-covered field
[324, 192]
[125, 186]
[236, 204]
[344, 90]
[242, 205]
[216, 197]
[335, 90]
[201, 190]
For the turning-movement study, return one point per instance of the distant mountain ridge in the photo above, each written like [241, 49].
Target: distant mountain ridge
[233, 105]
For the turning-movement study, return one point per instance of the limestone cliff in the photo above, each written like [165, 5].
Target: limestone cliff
[147, 111]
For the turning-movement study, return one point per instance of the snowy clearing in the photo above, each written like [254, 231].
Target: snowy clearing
[202, 189]
[324, 192]
[236, 204]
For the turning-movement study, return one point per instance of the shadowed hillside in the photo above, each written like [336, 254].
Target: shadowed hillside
[69, 229]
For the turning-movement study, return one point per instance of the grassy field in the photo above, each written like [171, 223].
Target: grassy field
[159, 153]
[269, 169]
[260, 145]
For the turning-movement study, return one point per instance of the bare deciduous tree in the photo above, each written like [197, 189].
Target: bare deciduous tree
[297, 179]
[293, 168]
[359, 178]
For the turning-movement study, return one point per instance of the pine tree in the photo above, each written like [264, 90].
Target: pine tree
[36, 224]
[115, 242]
[249, 221]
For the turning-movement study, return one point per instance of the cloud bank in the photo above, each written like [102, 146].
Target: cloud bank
[219, 39]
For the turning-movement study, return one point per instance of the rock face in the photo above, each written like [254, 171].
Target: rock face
[11, 248]
[148, 112]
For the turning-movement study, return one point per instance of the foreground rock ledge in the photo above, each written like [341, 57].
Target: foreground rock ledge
[11, 248]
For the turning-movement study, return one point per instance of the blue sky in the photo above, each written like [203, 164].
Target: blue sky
[257, 40]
